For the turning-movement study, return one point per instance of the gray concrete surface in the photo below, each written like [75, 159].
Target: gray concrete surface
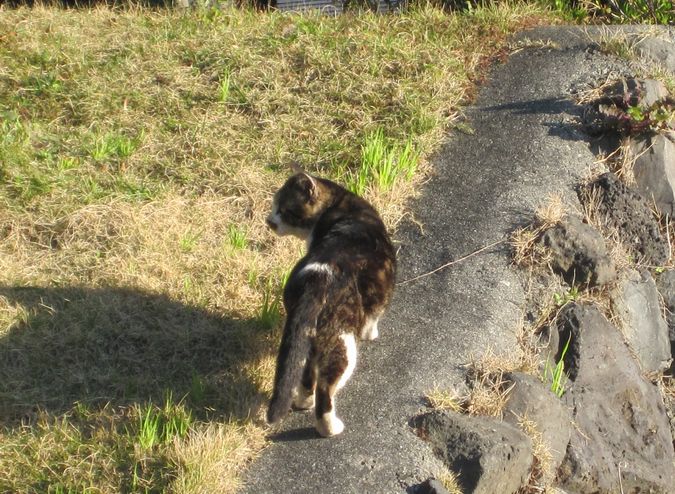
[525, 146]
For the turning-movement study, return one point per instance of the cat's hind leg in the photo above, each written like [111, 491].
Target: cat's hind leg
[304, 395]
[334, 372]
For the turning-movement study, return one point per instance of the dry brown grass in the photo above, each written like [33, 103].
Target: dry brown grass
[528, 252]
[542, 473]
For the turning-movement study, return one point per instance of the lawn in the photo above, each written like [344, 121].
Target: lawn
[139, 150]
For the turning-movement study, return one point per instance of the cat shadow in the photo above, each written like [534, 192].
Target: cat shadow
[101, 347]
[293, 435]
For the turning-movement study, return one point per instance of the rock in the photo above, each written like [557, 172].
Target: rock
[654, 170]
[621, 441]
[659, 50]
[635, 92]
[532, 399]
[579, 253]
[665, 283]
[489, 456]
[636, 303]
[629, 213]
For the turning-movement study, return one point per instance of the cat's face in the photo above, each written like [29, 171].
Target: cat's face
[296, 207]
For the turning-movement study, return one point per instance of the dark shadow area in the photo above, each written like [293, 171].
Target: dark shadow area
[547, 106]
[301, 434]
[114, 347]
[576, 130]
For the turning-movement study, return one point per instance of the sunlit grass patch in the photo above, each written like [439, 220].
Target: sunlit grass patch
[382, 163]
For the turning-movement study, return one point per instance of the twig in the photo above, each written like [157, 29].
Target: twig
[482, 249]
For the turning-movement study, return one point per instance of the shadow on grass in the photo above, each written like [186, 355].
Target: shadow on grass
[117, 347]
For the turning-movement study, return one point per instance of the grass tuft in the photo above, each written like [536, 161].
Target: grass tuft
[556, 375]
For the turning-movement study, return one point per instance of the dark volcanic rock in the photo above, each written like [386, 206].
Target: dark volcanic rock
[628, 212]
[530, 398]
[621, 441]
[654, 170]
[579, 253]
[489, 456]
[635, 300]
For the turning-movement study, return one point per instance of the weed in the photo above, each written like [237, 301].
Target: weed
[237, 236]
[161, 425]
[382, 163]
[189, 240]
[570, 295]
[269, 315]
[556, 375]
[149, 428]
[224, 86]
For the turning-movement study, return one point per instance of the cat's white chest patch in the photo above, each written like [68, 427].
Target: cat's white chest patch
[317, 267]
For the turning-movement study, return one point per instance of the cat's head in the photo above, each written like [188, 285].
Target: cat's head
[297, 206]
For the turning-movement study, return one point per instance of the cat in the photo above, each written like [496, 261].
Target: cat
[334, 294]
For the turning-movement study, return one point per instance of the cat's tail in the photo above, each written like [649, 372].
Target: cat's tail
[294, 352]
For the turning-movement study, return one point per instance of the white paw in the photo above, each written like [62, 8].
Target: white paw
[329, 425]
[304, 400]
[370, 331]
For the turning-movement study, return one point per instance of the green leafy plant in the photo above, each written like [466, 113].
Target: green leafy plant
[270, 309]
[161, 425]
[556, 375]
[658, 117]
[564, 298]
[189, 241]
[237, 236]
[382, 163]
[113, 145]
[224, 86]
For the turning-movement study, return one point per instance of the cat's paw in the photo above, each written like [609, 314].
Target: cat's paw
[304, 400]
[370, 331]
[329, 425]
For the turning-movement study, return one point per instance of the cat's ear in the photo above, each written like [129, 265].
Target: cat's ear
[308, 184]
[296, 167]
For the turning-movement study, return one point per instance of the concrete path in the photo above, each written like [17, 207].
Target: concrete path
[524, 146]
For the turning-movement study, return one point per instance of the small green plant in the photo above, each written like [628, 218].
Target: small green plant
[237, 236]
[568, 296]
[224, 86]
[270, 309]
[197, 390]
[658, 117]
[556, 375]
[189, 241]
[160, 425]
[148, 427]
[382, 163]
[635, 113]
[114, 146]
